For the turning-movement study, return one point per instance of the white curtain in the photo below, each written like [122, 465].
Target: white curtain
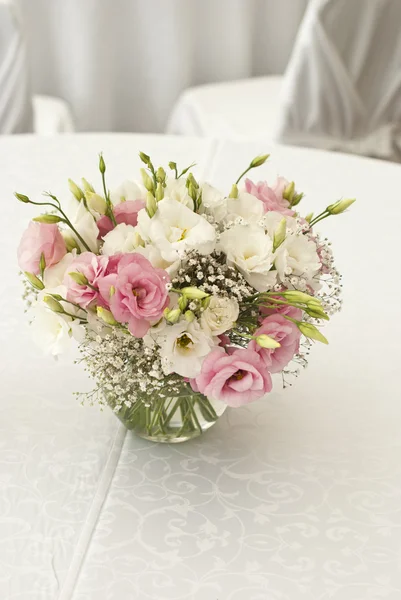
[121, 64]
[15, 97]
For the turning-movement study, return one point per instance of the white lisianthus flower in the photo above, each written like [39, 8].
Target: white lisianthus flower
[297, 255]
[123, 238]
[53, 276]
[250, 250]
[248, 207]
[155, 258]
[177, 190]
[220, 315]
[183, 347]
[85, 225]
[175, 229]
[53, 331]
[128, 190]
[213, 202]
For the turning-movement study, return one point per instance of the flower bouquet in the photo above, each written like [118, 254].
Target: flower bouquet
[183, 300]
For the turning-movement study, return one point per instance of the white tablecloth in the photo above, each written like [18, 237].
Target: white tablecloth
[295, 497]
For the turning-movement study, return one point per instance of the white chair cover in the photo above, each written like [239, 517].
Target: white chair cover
[15, 99]
[343, 83]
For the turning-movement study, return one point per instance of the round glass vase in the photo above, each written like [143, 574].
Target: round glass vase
[171, 419]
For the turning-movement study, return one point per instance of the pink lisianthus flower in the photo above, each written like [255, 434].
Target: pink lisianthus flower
[94, 268]
[38, 239]
[139, 296]
[286, 334]
[236, 379]
[125, 212]
[272, 197]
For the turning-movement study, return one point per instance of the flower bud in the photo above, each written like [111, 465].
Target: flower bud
[173, 316]
[192, 191]
[189, 316]
[138, 241]
[34, 281]
[144, 158]
[159, 192]
[317, 313]
[151, 205]
[297, 199]
[70, 241]
[309, 217]
[75, 190]
[47, 218]
[296, 296]
[191, 179]
[106, 316]
[42, 263]
[234, 191]
[340, 206]
[22, 198]
[96, 202]
[79, 278]
[172, 165]
[87, 187]
[265, 341]
[102, 164]
[280, 234]
[194, 293]
[288, 193]
[147, 181]
[259, 160]
[53, 304]
[206, 302]
[182, 303]
[310, 331]
[160, 175]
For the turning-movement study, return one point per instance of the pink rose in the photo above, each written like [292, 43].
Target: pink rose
[284, 332]
[236, 379]
[272, 197]
[94, 268]
[38, 239]
[125, 212]
[140, 293]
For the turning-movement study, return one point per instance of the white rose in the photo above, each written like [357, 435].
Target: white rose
[213, 202]
[85, 225]
[123, 238]
[53, 331]
[297, 256]
[177, 190]
[128, 190]
[220, 315]
[250, 250]
[246, 206]
[183, 347]
[54, 275]
[175, 229]
[155, 258]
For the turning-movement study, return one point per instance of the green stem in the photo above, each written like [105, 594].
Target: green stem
[74, 316]
[320, 217]
[242, 174]
[108, 201]
[194, 415]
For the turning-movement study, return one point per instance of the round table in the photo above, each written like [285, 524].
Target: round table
[295, 496]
